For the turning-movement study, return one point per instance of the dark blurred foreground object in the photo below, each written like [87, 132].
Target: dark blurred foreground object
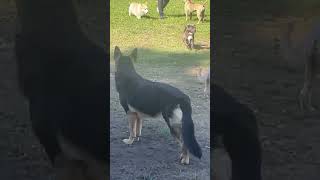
[63, 76]
[237, 125]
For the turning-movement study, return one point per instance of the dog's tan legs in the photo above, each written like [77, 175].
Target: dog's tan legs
[199, 17]
[302, 98]
[138, 127]
[185, 155]
[309, 101]
[132, 119]
[186, 16]
[96, 171]
[68, 169]
[139, 17]
[205, 87]
[305, 99]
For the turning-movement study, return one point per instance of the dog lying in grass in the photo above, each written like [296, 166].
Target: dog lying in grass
[140, 97]
[190, 7]
[188, 36]
[138, 9]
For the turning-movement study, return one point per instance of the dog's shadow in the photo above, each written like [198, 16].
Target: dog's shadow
[150, 17]
[201, 46]
[176, 15]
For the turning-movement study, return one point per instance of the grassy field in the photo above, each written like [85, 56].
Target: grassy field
[159, 41]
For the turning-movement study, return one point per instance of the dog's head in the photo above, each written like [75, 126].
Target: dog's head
[144, 8]
[190, 28]
[124, 63]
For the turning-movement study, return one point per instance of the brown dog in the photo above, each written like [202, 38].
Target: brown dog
[188, 36]
[190, 7]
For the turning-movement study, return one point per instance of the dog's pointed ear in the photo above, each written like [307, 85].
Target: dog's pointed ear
[117, 53]
[134, 55]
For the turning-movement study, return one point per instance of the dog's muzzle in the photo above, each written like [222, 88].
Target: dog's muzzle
[190, 37]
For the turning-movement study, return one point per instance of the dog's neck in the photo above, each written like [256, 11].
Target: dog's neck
[41, 20]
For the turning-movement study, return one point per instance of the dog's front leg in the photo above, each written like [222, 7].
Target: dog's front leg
[132, 120]
[192, 43]
[138, 127]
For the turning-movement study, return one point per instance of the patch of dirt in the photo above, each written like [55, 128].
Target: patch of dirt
[156, 156]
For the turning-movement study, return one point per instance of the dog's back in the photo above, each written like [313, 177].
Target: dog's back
[191, 6]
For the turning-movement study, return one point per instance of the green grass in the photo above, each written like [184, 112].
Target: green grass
[158, 41]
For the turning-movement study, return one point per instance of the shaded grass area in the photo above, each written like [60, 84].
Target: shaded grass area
[169, 58]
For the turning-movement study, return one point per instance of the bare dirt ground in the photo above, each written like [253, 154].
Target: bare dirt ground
[156, 156]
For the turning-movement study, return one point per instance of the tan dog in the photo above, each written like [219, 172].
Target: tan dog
[204, 76]
[190, 7]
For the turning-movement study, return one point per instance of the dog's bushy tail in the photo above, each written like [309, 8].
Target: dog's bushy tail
[188, 129]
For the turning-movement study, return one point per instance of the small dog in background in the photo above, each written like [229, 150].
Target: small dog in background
[204, 76]
[190, 7]
[138, 9]
[188, 36]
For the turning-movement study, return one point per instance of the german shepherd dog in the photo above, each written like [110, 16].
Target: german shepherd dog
[237, 125]
[140, 97]
[67, 93]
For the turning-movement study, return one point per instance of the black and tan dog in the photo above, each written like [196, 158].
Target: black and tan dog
[190, 7]
[237, 125]
[62, 74]
[188, 36]
[140, 97]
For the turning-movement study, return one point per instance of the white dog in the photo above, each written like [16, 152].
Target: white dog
[138, 9]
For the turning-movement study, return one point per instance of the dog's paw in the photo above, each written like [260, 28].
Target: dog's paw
[311, 108]
[128, 141]
[184, 159]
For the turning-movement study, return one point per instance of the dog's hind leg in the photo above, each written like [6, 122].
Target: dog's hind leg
[199, 16]
[185, 155]
[67, 169]
[132, 119]
[138, 127]
[175, 126]
[176, 132]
